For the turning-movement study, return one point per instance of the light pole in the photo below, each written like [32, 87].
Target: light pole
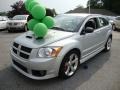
[89, 7]
[99, 2]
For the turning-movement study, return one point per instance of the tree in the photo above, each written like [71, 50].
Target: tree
[17, 9]
[79, 6]
[3, 13]
[93, 4]
[112, 5]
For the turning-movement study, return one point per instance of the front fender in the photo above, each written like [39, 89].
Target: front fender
[108, 34]
[68, 45]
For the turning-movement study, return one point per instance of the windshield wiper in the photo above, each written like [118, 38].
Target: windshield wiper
[59, 28]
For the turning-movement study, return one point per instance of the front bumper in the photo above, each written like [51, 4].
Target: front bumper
[19, 27]
[49, 65]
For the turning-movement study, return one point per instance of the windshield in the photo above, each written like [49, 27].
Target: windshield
[20, 17]
[68, 23]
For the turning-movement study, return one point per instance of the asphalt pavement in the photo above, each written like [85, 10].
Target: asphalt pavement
[103, 71]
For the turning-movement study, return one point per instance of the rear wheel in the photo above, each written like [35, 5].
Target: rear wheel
[69, 64]
[10, 31]
[108, 44]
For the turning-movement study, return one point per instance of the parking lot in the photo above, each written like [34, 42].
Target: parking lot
[103, 71]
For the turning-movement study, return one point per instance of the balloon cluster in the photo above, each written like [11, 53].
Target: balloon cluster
[40, 22]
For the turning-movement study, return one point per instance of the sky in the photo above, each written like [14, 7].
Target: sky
[60, 6]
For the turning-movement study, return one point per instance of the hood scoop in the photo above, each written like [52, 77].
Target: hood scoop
[31, 36]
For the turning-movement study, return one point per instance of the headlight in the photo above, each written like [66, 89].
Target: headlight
[49, 51]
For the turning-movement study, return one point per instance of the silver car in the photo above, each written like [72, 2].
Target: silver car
[74, 39]
[18, 22]
[111, 19]
[3, 22]
[117, 22]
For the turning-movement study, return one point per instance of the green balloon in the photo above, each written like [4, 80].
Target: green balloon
[31, 24]
[27, 2]
[48, 21]
[40, 30]
[38, 12]
[31, 5]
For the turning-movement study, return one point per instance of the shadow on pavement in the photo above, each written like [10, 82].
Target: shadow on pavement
[5, 32]
[12, 80]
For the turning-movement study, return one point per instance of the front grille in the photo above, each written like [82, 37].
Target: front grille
[20, 66]
[10, 23]
[26, 49]
[24, 55]
[15, 44]
[15, 51]
[15, 23]
[21, 50]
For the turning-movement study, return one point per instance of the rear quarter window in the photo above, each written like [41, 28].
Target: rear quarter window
[103, 22]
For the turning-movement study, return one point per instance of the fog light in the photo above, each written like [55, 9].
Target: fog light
[39, 73]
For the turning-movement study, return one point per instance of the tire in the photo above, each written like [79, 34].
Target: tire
[25, 28]
[10, 31]
[69, 64]
[108, 44]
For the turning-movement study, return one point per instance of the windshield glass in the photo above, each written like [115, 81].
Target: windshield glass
[20, 17]
[68, 23]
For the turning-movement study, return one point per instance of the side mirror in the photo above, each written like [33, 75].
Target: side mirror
[89, 30]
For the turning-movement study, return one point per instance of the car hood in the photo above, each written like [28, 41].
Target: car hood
[16, 21]
[28, 39]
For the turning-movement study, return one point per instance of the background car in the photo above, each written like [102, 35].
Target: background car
[111, 19]
[3, 22]
[117, 22]
[18, 22]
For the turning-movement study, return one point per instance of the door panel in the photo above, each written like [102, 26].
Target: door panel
[88, 42]
[103, 30]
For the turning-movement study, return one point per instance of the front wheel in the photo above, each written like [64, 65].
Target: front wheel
[69, 65]
[108, 44]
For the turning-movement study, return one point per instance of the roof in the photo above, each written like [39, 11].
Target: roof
[93, 11]
[82, 14]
